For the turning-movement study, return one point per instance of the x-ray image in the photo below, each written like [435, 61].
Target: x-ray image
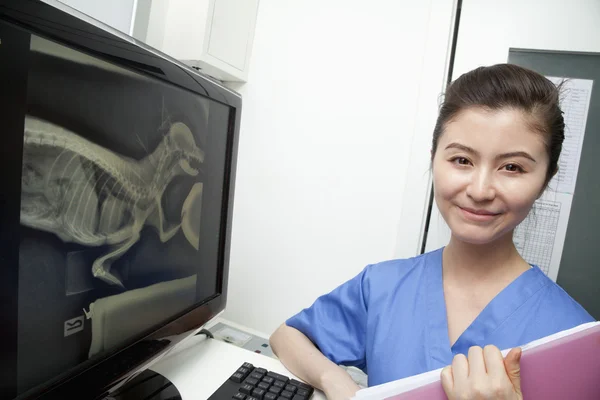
[122, 181]
[113, 166]
[112, 160]
[89, 195]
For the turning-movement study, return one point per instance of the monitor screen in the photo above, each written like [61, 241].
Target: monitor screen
[122, 187]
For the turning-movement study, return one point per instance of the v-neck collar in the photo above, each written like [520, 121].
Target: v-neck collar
[491, 317]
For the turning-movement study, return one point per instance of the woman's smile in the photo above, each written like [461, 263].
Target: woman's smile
[478, 215]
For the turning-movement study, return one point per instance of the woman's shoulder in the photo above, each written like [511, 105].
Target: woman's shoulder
[556, 306]
[394, 270]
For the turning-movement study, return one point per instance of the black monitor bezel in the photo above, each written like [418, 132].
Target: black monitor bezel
[61, 24]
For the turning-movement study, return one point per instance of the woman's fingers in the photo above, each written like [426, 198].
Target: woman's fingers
[460, 368]
[485, 374]
[447, 380]
[512, 363]
[494, 361]
[476, 362]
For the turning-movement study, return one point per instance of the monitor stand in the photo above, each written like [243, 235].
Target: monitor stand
[147, 385]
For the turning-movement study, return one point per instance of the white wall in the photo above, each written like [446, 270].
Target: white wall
[115, 13]
[488, 28]
[333, 156]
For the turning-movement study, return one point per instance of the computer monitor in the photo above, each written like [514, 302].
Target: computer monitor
[117, 167]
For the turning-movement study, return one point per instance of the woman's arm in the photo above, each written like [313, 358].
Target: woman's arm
[303, 359]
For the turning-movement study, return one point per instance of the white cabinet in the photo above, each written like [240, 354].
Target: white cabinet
[213, 35]
[117, 14]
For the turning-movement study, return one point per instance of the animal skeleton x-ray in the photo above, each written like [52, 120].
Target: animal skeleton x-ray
[89, 195]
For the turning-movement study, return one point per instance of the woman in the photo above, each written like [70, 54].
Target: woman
[496, 146]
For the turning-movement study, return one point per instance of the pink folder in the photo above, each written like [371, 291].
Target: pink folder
[563, 369]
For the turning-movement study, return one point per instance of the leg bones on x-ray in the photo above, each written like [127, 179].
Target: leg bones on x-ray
[191, 213]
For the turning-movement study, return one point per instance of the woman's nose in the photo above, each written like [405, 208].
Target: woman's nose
[481, 187]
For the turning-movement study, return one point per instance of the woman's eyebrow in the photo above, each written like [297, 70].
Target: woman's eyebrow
[524, 154]
[455, 145]
[516, 154]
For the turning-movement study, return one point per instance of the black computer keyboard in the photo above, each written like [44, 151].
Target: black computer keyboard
[250, 383]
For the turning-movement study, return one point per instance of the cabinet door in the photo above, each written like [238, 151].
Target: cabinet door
[232, 30]
[115, 13]
[213, 35]
[185, 26]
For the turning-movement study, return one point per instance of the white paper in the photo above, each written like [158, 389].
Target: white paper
[575, 105]
[540, 238]
[397, 387]
[535, 237]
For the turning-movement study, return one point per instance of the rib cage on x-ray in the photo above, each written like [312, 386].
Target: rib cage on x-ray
[89, 195]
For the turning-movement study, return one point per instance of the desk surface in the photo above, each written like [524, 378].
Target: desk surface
[200, 366]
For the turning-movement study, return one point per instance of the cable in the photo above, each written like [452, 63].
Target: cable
[205, 332]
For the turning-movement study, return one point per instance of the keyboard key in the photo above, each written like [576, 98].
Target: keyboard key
[251, 381]
[257, 383]
[258, 393]
[269, 380]
[247, 389]
[275, 389]
[279, 377]
[279, 384]
[291, 388]
[256, 375]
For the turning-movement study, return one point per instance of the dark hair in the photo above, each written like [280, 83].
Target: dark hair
[508, 86]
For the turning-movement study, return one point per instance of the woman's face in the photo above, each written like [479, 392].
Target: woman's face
[488, 170]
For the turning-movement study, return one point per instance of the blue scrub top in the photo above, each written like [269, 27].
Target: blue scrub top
[390, 320]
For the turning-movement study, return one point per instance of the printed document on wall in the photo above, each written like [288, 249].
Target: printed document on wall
[540, 237]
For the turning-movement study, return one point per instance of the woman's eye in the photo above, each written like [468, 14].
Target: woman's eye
[513, 168]
[461, 161]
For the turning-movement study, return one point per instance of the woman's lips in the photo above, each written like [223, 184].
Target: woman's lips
[478, 215]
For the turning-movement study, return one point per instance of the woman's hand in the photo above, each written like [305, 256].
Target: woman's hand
[484, 375]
